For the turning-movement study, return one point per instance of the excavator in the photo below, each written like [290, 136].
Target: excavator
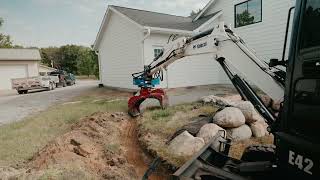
[296, 150]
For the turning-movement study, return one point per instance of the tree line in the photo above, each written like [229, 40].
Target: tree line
[78, 60]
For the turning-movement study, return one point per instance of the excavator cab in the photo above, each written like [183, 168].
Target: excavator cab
[297, 152]
[297, 139]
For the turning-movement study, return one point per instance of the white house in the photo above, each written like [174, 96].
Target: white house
[17, 63]
[129, 38]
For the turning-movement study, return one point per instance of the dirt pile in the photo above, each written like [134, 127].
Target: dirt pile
[93, 145]
[101, 146]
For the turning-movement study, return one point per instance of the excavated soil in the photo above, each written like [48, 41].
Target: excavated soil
[104, 145]
[93, 143]
[135, 155]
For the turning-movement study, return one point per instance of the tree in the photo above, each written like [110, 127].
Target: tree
[244, 18]
[95, 64]
[69, 57]
[51, 56]
[75, 59]
[85, 62]
[5, 41]
[1, 21]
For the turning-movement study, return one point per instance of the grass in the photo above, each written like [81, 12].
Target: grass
[156, 126]
[71, 172]
[166, 121]
[87, 77]
[19, 141]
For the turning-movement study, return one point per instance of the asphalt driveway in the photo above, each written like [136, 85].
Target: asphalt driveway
[14, 107]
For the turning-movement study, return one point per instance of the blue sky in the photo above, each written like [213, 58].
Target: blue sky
[43, 23]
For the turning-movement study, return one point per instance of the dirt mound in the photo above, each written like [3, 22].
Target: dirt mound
[93, 144]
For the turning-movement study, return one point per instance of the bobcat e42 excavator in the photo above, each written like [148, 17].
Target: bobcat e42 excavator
[296, 155]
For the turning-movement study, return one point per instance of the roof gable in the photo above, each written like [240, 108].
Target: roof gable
[161, 20]
[144, 19]
[20, 54]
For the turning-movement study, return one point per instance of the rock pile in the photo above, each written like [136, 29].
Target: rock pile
[237, 118]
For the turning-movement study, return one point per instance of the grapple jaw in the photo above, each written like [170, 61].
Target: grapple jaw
[145, 93]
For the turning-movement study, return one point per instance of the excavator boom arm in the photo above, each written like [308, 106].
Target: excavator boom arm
[219, 43]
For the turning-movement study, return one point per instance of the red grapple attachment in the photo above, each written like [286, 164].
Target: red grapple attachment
[145, 93]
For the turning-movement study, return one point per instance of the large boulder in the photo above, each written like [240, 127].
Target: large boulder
[248, 111]
[259, 129]
[229, 117]
[185, 145]
[193, 127]
[241, 133]
[208, 131]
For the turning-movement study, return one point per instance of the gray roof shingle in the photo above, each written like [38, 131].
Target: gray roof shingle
[154, 19]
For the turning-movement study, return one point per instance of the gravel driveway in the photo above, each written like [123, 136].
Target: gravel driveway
[15, 107]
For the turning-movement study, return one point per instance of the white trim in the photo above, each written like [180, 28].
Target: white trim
[98, 38]
[169, 31]
[209, 21]
[203, 10]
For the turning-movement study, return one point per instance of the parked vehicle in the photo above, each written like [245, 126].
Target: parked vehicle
[61, 76]
[70, 79]
[23, 85]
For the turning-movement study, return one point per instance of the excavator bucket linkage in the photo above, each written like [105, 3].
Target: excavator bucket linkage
[146, 93]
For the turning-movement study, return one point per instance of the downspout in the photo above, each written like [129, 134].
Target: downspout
[100, 74]
[143, 40]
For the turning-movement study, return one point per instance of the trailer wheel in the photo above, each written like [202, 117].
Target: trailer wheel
[20, 91]
[259, 153]
[25, 91]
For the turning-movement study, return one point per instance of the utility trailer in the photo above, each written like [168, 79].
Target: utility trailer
[23, 85]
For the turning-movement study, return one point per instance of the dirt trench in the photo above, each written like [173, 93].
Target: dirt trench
[101, 146]
[135, 154]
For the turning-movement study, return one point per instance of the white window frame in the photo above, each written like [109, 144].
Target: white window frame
[156, 48]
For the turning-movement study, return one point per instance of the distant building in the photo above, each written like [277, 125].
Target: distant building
[17, 63]
[129, 38]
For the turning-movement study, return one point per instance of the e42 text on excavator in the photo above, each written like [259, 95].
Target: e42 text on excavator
[297, 152]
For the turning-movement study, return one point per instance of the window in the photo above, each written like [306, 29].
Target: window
[248, 12]
[310, 26]
[157, 51]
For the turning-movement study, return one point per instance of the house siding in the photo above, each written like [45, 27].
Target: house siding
[155, 40]
[265, 38]
[189, 71]
[120, 52]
